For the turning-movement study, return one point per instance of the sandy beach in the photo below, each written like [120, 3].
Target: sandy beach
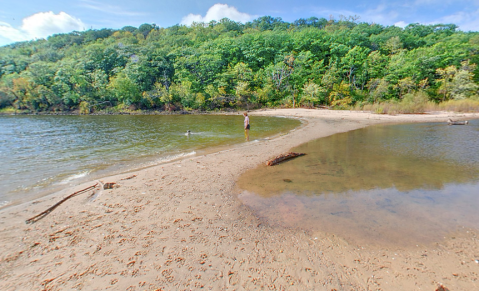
[181, 226]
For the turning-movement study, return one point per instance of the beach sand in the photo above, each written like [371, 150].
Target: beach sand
[181, 226]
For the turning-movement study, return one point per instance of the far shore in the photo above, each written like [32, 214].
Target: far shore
[106, 112]
[181, 226]
[224, 111]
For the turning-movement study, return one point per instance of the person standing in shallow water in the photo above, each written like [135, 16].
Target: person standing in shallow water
[246, 126]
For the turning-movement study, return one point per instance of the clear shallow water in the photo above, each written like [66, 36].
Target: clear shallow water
[399, 184]
[48, 152]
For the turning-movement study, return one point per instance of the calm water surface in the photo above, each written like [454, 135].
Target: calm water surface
[399, 184]
[49, 152]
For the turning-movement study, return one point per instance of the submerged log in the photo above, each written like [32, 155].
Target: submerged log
[46, 212]
[282, 158]
[455, 122]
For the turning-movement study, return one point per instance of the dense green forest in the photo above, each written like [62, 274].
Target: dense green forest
[226, 64]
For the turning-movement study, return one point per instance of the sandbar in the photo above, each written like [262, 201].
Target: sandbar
[181, 226]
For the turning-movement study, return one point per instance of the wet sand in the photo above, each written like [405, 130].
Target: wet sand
[181, 226]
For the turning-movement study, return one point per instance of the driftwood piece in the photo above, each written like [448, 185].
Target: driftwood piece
[107, 186]
[282, 158]
[128, 178]
[455, 122]
[46, 212]
[442, 288]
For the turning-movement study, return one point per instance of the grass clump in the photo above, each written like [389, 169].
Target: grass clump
[410, 104]
[464, 105]
[418, 103]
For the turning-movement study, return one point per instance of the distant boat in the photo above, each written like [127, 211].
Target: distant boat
[455, 122]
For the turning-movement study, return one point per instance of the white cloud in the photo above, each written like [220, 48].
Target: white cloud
[41, 25]
[401, 24]
[9, 33]
[470, 26]
[218, 12]
[467, 21]
[44, 24]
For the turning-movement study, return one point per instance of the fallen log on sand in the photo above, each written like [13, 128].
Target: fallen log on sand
[282, 158]
[454, 122]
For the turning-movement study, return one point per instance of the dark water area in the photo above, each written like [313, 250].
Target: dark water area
[40, 154]
[399, 184]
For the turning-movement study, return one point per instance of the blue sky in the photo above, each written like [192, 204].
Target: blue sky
[30, 19]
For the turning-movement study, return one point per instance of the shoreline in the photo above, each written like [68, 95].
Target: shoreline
[181, 226]
[55, 184]
[135, 112]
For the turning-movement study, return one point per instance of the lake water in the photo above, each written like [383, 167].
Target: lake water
[399, 184]
[41, 154]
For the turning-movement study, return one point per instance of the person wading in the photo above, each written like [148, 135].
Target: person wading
[246, 126]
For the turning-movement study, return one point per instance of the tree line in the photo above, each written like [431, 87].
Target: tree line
[226, 64]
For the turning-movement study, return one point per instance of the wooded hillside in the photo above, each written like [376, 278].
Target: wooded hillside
[226, 64]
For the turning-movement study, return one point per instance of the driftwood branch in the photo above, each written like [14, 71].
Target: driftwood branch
[128, 178]
[282, 158]
[46, 212]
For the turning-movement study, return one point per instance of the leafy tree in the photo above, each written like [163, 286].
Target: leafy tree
[405, 86]
[125, 90]
[378, 88]
[131, 29]
[146, 28]
[351, 65]
[268, 23]
[243, 93]
[341, 95]
[446, 77]
[462, 85]
[393, 45]
[310, 93]
[331, 77]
